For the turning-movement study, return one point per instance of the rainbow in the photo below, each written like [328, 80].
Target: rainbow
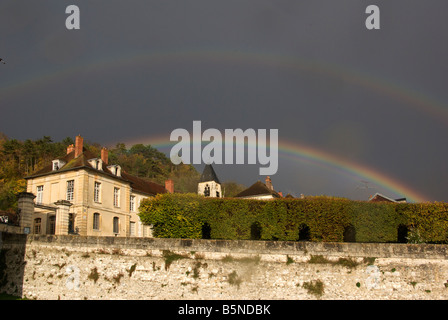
[410, 97]
[301, 152]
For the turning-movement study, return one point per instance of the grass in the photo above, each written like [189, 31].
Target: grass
[5, 296]
[229, 258]
[314, 287]
[93, 275]
[369, 260]
[349, 263]
[345, 262]
[197, 265]
[170, 257]
[131, 269]
[234, 279]
[118, 277]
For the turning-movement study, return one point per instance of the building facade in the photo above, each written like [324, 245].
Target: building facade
[84, 194]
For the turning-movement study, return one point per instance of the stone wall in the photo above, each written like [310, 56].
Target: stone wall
[74, 267]
[9, 228]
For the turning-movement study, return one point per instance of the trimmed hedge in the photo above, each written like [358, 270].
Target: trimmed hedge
[314, 219]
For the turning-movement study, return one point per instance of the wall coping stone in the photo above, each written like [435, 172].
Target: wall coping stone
[337, 249]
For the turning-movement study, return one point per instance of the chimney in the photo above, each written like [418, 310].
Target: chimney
[70, 148]
[169, 186]
[269, 183]
[78, 146]
[104, 155]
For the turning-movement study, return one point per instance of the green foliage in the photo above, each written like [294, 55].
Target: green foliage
[234, 279]
[174, 216]
[184, 216]
[19, 159]
[232, 188]
[170, 257]
[147, 162]
[427, 222]
[375, 222]
[93, 275]
[369, 260]
[8, 193]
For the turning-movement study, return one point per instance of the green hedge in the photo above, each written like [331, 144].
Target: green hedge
[313, 219]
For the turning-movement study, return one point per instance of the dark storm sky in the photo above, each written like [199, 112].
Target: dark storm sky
[311, 69]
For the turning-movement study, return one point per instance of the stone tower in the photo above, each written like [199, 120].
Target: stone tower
[209, 185]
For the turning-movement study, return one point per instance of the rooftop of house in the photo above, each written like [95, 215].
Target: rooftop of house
[378, 197]
[258, 189]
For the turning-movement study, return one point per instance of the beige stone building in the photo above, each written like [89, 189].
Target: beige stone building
[83, 194]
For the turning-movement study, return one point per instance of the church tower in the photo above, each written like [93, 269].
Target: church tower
[209, 185]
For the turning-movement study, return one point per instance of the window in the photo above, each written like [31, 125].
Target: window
[70, 190]
[37, 224]
[40, 194]
[132, 203]
[132, 229]
[96, 221]
[116, 225]
[116, 197]
[58, 164]
[115, 170]
[52, 224]
[71, 224]
[97, 192]
[96, 163]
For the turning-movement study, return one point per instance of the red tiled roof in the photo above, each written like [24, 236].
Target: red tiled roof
[257, 189]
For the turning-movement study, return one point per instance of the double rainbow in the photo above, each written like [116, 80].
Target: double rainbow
[412, 98]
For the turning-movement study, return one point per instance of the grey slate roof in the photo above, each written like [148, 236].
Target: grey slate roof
[209, 174]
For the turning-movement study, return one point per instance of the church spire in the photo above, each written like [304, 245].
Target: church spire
[209, 185]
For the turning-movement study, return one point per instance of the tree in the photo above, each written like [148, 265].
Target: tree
[232, 188]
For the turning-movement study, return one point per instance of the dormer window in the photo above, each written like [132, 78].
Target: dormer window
[58, 164]
[115, 169]
[96, 163]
